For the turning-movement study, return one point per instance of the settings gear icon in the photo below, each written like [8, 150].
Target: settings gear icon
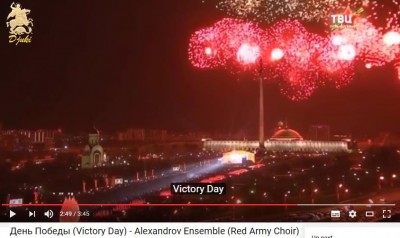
[352, 214]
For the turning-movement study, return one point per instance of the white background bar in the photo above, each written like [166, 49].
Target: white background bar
[220, 230]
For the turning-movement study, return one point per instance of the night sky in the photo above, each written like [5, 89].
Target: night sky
[121, 64]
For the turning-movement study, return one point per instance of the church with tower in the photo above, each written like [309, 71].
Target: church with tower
[93, 153]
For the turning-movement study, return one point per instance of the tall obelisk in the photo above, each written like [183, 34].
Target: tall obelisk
[261, 109]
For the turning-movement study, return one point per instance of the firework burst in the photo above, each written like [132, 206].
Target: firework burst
[205, 50]
[385, 14]
[336, 63]
[296, 84]
[367, 42]
[391, 41]
[298, 69]
[300, 60]
[242, 8]
[231, 43]
[242, 42]
[271, 10]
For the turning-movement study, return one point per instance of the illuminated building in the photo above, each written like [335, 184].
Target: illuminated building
[283, 140]
[237, 157]
[319, 132]
[93, 153]
[286, 135]
[142, 135]
[131, 135]
[29, 139]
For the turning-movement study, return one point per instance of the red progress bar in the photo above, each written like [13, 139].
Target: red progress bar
[160, 205]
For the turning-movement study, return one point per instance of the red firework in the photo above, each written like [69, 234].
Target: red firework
[298, 85]
[391, 41]
[385, 14]
[336, 62]
[283, 32]
[205, 50]
[303, 61]
[366, 41]
[242, 43]
[229, 42]
[299, 67]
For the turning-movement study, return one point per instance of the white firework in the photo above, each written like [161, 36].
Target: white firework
[271, 10]
[241, 8]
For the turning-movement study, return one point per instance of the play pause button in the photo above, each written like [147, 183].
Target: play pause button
[12, 214]
[32, 214]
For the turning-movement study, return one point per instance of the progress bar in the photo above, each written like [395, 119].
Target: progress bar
[347, 205]
[199, 205]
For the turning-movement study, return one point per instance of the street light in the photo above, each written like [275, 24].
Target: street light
[238, 201]
[338, 192]
[380, 180]
[285, 200]
[313, 195]
[394, 177]
[301, 192]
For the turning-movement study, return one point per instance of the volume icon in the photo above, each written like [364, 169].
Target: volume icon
[49, 214]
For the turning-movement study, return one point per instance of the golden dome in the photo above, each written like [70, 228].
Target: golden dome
[287, 135]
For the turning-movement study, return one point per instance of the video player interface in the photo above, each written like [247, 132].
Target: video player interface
[200, 118]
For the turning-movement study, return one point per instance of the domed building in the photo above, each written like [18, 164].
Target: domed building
[284, 140]
[93, 153]
[286, 135]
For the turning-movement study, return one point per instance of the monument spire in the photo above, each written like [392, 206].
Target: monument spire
[261, 109]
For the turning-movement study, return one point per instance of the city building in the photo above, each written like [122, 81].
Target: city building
[161, 135]
[41, 139]
[93, 153]
[131, 135]
[283, 140]
[320, 132]
[156, 135]
[142, 135]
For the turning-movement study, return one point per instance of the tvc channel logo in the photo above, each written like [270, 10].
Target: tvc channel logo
[344, 20]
